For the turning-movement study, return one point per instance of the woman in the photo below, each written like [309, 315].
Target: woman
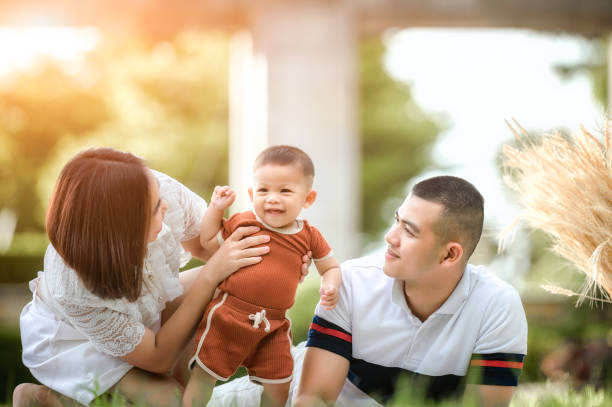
[110, 310]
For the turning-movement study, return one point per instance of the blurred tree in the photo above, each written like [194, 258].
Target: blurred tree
[595, 65]
[165, 101]
[546, 264]
[396, 137]
[183, 83]
[37, 109]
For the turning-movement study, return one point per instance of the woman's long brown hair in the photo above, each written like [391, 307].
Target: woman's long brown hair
[98, 220]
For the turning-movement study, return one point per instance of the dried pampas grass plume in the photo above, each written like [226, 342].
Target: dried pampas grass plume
[564, 185]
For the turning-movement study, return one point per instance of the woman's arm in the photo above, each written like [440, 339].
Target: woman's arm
[158, 352]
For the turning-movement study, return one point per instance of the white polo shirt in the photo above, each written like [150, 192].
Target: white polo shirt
[479, 335]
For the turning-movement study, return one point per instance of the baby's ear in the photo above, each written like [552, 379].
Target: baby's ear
[310, 198]
[251, 194]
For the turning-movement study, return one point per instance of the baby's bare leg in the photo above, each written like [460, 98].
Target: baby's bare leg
[275, 394]
[181, 371]
[199, 388]
[141, 387]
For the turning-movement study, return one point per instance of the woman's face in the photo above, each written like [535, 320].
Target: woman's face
[158, 208]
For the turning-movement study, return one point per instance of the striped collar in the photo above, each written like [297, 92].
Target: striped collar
[452, 304]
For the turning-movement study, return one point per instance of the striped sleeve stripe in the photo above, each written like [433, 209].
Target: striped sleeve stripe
[508, 357]
[499, 369]
[497, 363]
[333, 332]
[326, 335]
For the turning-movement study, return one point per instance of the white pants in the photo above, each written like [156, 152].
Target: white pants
[242, 392]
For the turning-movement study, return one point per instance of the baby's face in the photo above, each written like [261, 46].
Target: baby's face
[279, 193]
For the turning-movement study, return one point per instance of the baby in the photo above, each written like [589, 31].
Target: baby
[245, 325]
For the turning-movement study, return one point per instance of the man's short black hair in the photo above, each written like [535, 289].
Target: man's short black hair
[463, 214]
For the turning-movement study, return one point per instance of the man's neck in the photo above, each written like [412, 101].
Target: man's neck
[424, 301]
[423, 305]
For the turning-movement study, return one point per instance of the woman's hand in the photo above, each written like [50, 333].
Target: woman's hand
[238, 251]
[157, 352]
[306, 260]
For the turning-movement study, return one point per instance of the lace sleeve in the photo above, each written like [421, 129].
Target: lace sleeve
[185, 208]
[193, 209]
[112, 332]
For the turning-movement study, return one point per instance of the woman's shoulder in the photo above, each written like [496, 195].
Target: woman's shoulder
[168, 185]
[66, 288]
[60, 279]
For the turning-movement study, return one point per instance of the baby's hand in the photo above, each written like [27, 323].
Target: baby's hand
[329, 296]
[222, 198]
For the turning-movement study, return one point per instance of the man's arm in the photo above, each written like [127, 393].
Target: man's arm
[323, 375]
[488, 396]
[497, 361]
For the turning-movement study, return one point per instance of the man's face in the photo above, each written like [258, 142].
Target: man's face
[413, 251]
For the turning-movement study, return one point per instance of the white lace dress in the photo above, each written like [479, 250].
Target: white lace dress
[72, 339]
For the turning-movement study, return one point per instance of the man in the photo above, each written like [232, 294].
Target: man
[420, 321]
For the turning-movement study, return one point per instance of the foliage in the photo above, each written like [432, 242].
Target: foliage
[12, 371]
[595, 65]
[167, 101]
[36, 110]
[547, 395]
[550, 331]
[550, 395]
[396, 136]
[164, 101]
[301, 313]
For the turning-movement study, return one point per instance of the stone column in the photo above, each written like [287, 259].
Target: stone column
[248, 113]
[312, 103]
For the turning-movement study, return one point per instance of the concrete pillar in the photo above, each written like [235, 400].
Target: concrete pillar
[248, 114]
[311, 102]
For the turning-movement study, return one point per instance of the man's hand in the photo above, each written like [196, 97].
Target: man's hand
[222, 198]
[306, 260]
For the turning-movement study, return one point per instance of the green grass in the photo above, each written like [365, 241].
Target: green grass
[530, 395]
[540, 395]
[559, 395]
[533, 389]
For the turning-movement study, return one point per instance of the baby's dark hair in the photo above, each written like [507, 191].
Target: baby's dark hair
[285, 155]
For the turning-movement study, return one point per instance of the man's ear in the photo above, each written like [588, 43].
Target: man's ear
[453, 252]
[310, 198]
[251, 194]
